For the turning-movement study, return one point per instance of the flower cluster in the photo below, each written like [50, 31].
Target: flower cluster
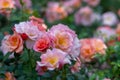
[57, 45]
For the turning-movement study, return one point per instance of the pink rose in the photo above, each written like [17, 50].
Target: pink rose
[7, 4]
[12, 43]
[89, 47]
[84, 16]
[65, 39]
[52, 59]
[38, 22]
[55, 12]
[42, 44]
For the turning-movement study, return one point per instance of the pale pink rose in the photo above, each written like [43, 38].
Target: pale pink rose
[55, 12]
[92, 2]
[70, 5]
[38, 22]
[89, 47]
[104, 33]
[52, 59]
[7, 4]
[43, 43]
[12, 43]
[84, 16]
[27, 3]
[109, 18]
[65, 39]
[28, 29]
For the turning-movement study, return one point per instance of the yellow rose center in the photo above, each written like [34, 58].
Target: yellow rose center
[5, 4]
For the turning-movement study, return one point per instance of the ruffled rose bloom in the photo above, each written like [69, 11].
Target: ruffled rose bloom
[70, 5]
[109, 18]
[12, 43]
[9, 76]
[27, 3]
[85, 16]
[43, 43]
[65, 39]
[104, 33]
[55, 11]
[52, 59]
[92, 2]
[89, 47]
[27, 28]
[7, 4]
[30, 31]
[4, 5]
[38, 22]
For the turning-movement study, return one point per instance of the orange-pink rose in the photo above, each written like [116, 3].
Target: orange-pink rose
[89, 47]
[42, 44]
[12, 43]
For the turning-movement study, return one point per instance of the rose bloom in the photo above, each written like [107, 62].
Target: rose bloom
[52, 59]
[84, 16]
[92, 2]
[38, 22]
[65, 39]
[27, 28]
[9, 76]
[109, 18]
[104, 33]
[55, 11]
[7, 4]
[89, 47]
[12, 43]
[27, 3]
[30, 30]
[43, 43]
[70, 5]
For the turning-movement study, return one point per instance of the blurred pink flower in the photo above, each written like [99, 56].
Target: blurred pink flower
[85, 16]
[52, 59]
[26, 3]
[92, 2]
[70, 5]
[55, 12]
[65, 39]
[12, 43]
[104, 33]
[109, 19]
[7, 4]
[89, 47]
